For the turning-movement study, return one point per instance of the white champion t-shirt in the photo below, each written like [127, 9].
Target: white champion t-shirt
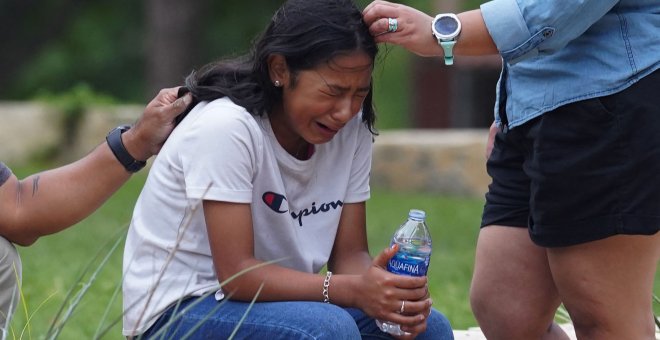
[221, 152]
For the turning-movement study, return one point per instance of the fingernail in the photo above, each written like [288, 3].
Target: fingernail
[187, 99]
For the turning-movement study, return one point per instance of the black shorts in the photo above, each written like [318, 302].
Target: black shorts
[583, 172]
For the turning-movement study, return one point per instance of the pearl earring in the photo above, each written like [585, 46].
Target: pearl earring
[277, 83]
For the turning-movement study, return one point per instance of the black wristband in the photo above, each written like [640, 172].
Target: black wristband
[119, 150]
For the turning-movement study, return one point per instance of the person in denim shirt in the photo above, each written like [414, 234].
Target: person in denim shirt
[572, 214]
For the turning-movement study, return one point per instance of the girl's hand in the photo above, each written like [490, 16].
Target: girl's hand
[383, 294]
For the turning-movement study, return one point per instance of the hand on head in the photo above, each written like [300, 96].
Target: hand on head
[156, 123]
[413, 27]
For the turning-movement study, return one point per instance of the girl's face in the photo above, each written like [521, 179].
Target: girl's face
[321, 100]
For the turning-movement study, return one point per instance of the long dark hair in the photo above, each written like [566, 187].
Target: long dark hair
[307, 33]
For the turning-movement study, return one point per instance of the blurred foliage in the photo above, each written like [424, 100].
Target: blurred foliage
[74, 101]
[103, 45]
[72, 105]
[56, 45]
[100, 46]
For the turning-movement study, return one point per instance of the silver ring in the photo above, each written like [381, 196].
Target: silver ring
[403, 307]
[392, 25]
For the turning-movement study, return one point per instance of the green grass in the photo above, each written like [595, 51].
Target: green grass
[52, 265]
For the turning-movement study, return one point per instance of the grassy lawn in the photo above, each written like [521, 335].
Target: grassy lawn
[52, 266]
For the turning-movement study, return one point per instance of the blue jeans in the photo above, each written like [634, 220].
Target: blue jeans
[206, 318]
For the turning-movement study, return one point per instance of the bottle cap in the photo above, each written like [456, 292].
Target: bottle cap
[417, 214]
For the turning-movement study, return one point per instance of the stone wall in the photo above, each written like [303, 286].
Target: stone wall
[26, 129]
[31, 128]
[447, 161]
[444, 161]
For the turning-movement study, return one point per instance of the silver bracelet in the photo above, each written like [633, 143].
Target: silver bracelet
[326, 285]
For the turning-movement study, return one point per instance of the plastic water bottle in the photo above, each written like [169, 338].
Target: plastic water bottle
[414, 240]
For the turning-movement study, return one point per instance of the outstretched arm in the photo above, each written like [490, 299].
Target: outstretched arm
[414, 30]
[50, 201]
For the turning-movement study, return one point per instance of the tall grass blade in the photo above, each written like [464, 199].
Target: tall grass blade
[170, 322]
[183, 227]
[106, 312]
[190, 306]
[29, 319]
[161, 332]
[73, 300]
[5, 329]
[240, 322]
[655, 317]
[176, 317]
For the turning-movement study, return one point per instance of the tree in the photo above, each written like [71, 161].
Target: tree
[28, 26]
[172, 41]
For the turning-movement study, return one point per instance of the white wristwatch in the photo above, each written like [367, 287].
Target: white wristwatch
[446, 27]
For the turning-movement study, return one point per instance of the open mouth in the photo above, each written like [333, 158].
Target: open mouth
[327, 129]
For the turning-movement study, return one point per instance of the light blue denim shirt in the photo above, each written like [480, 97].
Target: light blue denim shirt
[557, 52]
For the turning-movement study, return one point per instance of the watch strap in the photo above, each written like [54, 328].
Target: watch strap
[448, 48]
[119, 150]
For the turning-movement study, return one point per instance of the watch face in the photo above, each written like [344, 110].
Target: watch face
[446, 26]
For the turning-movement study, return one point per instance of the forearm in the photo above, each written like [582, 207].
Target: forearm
[474, 40]
[53, 200]
[284, 284]
[415, 32]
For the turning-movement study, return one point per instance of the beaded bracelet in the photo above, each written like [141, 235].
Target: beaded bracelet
[326, 285]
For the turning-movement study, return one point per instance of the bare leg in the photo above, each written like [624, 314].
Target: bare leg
[512, 293]
[607, 286]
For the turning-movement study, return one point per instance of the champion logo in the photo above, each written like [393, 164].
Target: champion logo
[324, 207]
[275, 201]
